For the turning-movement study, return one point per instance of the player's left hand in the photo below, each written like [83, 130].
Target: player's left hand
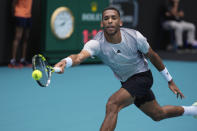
[175, 89]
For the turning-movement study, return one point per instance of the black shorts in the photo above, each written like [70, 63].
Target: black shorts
[139, 86]
[23, 22]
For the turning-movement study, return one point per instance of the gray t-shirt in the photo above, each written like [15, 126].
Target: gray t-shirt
[125, 58]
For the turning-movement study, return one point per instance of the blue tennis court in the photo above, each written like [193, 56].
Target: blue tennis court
[75, 100]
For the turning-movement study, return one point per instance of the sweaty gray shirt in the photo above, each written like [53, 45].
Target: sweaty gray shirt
[125, 58]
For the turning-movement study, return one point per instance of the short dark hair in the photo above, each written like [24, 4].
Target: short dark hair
[111, 8]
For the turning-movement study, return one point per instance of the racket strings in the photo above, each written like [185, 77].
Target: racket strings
[42, 66]
[39, 63]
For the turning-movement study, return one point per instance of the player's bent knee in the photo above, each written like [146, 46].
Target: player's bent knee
[112, 107]
[158, 116]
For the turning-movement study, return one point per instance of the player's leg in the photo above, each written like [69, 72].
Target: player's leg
[157, 112]
[134, 87]
[116, 102]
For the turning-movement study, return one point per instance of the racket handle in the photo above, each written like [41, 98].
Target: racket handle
[57, 69]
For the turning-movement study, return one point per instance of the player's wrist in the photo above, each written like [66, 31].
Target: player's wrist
[166, 75]
[68, 62]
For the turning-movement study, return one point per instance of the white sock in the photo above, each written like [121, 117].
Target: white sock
[190, 110]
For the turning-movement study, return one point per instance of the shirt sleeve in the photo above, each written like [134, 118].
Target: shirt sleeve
[142, 43]
[92, 47]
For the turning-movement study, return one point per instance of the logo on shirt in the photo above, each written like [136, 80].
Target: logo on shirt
[118, 51]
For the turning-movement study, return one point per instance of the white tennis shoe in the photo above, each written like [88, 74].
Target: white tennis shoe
[195, 104]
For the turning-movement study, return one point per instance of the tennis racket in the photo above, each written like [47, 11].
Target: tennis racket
[39, 62]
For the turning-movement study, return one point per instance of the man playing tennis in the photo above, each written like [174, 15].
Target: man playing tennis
[124, 51]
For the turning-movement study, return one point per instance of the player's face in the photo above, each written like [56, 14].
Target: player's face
[111, 22]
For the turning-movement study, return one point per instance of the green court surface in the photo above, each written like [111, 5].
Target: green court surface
[75, 100]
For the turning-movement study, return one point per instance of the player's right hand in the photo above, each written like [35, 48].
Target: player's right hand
[61, 65]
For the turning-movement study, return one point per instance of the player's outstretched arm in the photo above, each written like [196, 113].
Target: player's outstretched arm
[155, 59]
[73, 60]
[157, 62]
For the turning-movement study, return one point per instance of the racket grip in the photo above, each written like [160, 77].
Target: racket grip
[57, 69]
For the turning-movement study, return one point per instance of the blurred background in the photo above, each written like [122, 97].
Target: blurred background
[142, 15]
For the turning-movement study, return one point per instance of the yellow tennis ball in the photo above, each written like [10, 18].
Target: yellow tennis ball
[195, 104]
[37, 75]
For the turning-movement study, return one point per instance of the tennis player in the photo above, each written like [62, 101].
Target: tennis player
[125, 51]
